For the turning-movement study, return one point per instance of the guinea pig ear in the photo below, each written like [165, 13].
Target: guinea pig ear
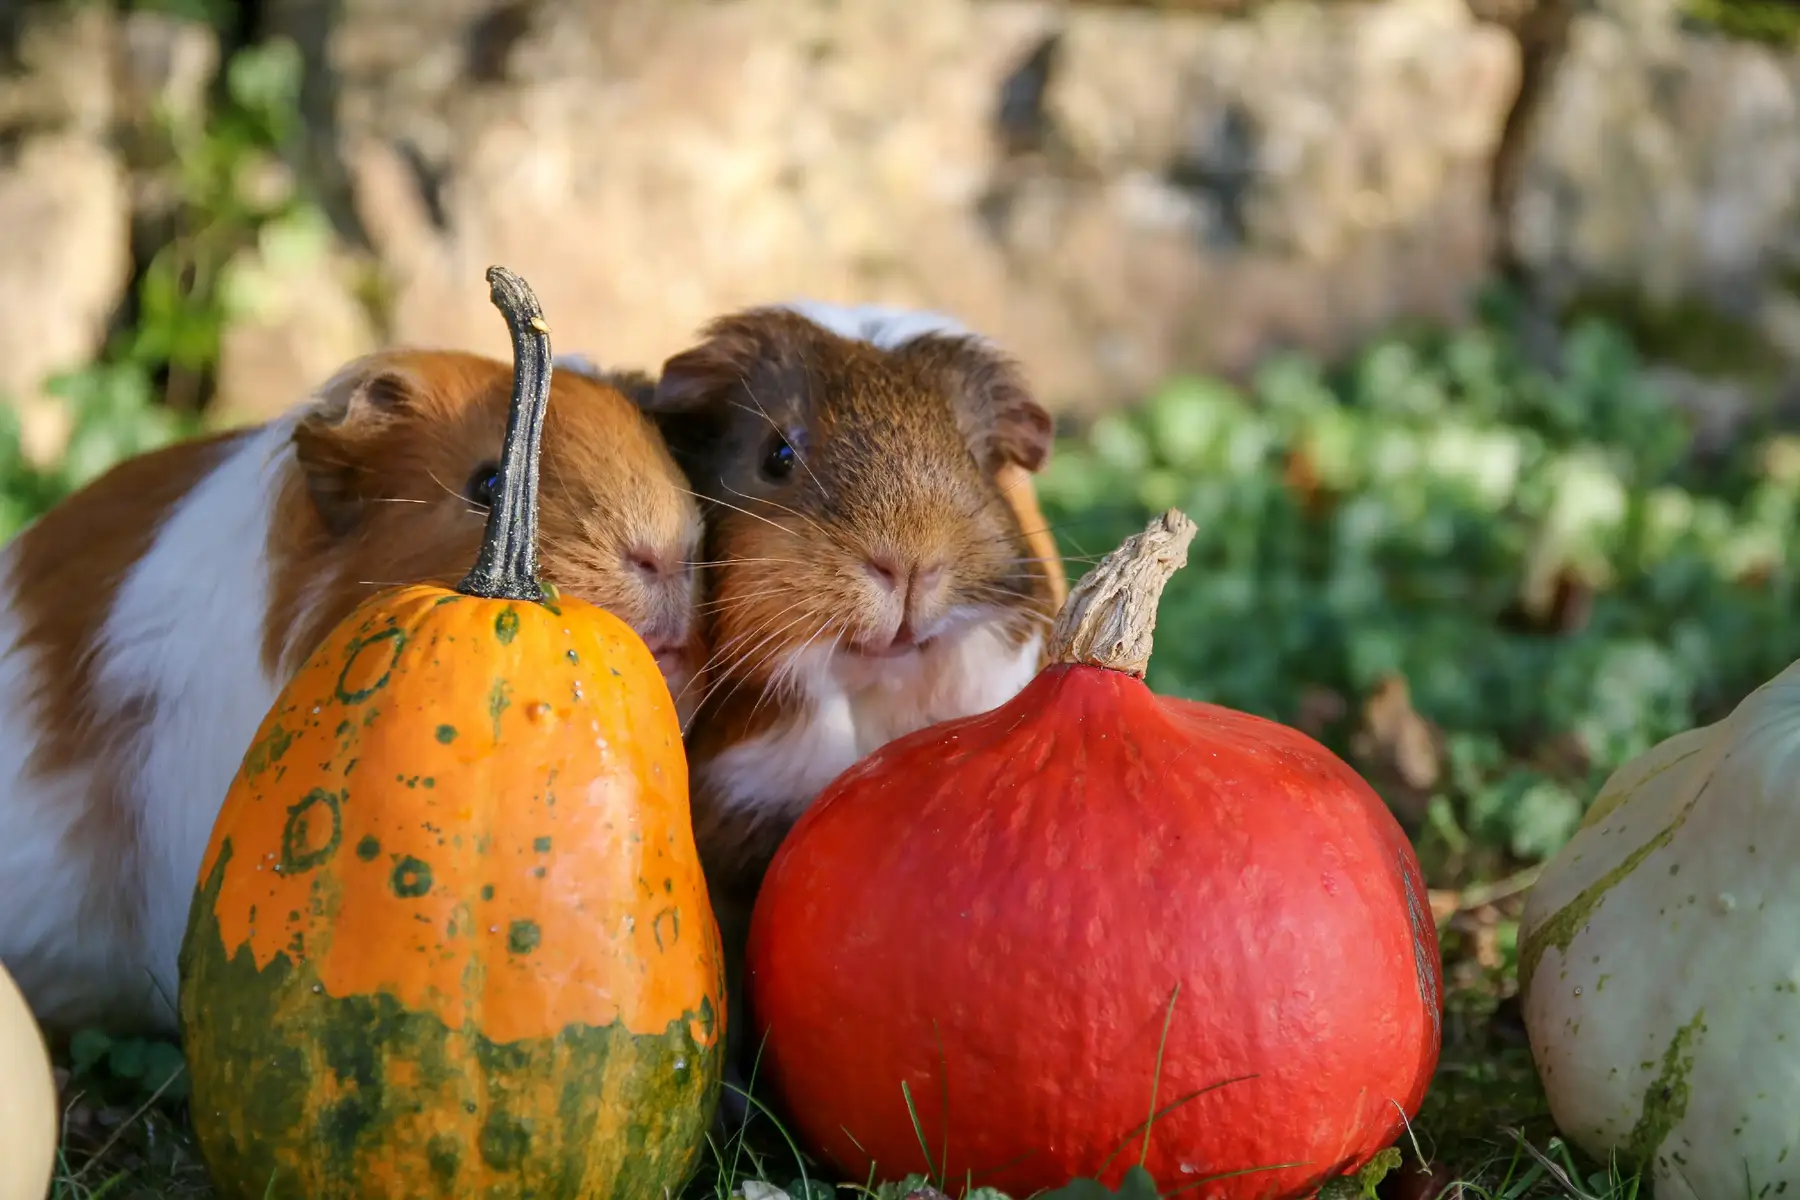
[333, 438]
[692, 398]
[749, 348]
[1000, 417]
[703, 376]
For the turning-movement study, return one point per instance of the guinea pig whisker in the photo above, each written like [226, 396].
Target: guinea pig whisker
[739, 667]
[400, 500]
[1059, 526]
[1038, 558]
[1021, 481]
[783, 672]
[1088, 561]
[723, 609]
[995, 595]
[733, 562]
[774, 589]
[448, 490]
[731, 603]
[784, 508]
[1007, 538]
[775, 679]
[718, 680]
[769, 631]
[1006, 547]
[721, 649]
[1049, 526]
[745, 511]
[1001, 598]
[735, 673]
[717, 656]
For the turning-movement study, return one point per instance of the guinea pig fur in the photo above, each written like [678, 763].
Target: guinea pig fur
[151, 619]
[865, 574]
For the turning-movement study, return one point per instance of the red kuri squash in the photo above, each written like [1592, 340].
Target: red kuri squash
[1005, 941]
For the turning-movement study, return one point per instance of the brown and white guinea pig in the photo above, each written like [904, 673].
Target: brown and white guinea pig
[867, 571]
[149, 621]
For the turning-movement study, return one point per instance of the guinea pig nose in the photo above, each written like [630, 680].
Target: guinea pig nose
[886, 571]
[648, 560]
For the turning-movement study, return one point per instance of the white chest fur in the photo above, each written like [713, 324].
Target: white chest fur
[852, 707]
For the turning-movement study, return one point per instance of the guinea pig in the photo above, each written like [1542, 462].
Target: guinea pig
[866, 572]
[150, 620]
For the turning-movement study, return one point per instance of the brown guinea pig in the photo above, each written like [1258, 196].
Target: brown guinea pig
[150, 619]
[866, 574]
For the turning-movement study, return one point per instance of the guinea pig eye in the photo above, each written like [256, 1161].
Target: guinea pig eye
[778, 463]
[483, 484]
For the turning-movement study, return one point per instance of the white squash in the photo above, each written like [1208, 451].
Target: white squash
[1659, 960]
[28, 1108]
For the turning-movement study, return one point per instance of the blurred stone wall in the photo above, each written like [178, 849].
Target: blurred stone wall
[1113, 191]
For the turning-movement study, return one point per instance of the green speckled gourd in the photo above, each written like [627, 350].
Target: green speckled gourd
[451, 936]
[1660, 960]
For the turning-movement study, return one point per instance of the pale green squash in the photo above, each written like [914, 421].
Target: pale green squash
[1659, 958]
[28, 1108]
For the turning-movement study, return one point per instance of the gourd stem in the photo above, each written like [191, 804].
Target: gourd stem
[506, 568]
[1109, 616]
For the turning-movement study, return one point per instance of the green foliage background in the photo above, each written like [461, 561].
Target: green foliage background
[1455, 478]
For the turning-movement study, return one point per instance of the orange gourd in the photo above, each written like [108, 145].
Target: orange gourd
[451, 937]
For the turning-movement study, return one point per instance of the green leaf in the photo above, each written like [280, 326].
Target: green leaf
[1376, 1169]
[129, 1059]
[898, 1189]
[265, 80]
[86, 1050]
[1136, 1185]
[1362, 1185]
[1187, 417]
[1120, 444]
[165, 1070]
[1545, 815]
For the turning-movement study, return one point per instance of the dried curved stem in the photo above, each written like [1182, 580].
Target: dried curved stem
[506, 568]
[1111, 614]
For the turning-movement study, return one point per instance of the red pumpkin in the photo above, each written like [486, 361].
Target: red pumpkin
[1020, 914]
